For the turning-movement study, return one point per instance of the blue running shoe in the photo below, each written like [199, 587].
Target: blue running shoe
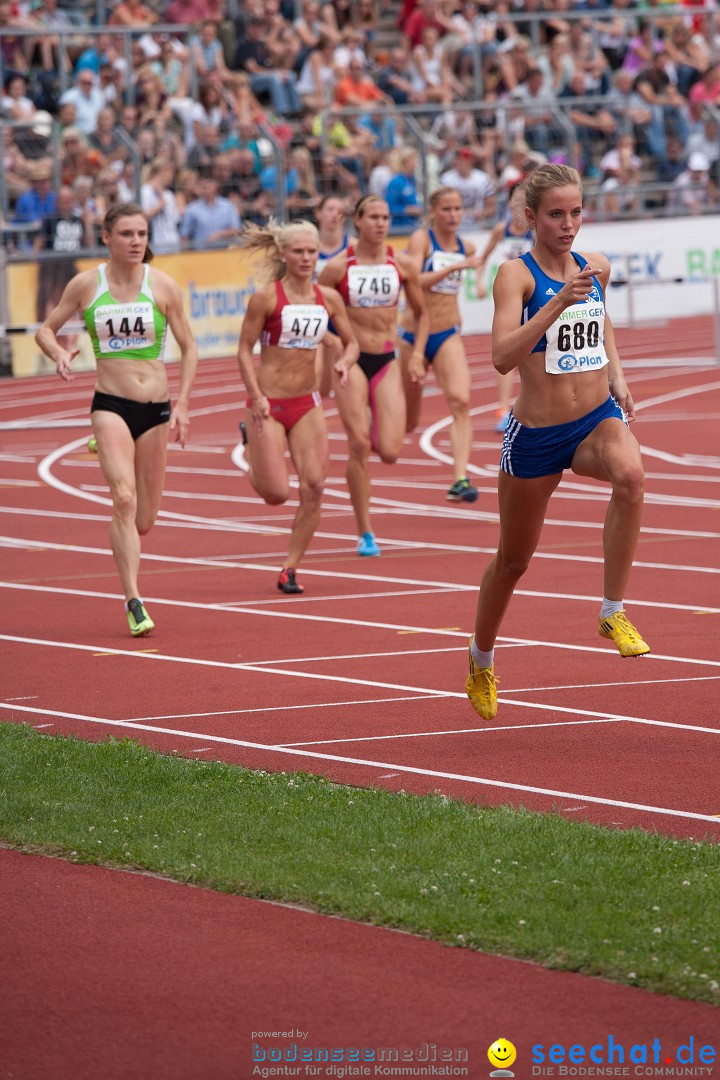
[462, 491]
[367, 545]
[502, 423]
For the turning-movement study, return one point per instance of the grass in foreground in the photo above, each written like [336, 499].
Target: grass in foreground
[628, 905]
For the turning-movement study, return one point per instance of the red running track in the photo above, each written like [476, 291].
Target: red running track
[362, 677]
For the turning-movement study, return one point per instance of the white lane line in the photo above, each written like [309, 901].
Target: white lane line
[456, 731]
[347, 680]
[330, 620]
[286, 708]
[385, 765]
[390, 506]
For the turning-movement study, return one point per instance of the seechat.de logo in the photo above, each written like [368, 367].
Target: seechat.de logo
[502, 1054]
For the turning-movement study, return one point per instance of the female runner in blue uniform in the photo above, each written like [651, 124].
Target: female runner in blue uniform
[289, 317]
[572, 412]
[127, 308]
[334, 239]
[441, 257]
[515, 239]
[369, 276]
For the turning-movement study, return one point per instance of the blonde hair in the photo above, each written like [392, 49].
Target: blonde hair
[546, 177]
[272, 239]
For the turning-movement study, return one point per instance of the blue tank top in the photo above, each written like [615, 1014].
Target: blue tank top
[324, 257]
[545, 287]
[440, 259]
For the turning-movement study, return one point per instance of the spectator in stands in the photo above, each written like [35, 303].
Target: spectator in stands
[186, 189]
[160, 208]
[35, 204]
[633, 115]
[615, 31]
[427, 13]
[13, 47]
[686, 59]
[395, 79]
[704, 139]
[351, 48]
[210, 220]
[127, 122]
[73, 155]
[556, 64]
[106, 138]
[692, 191]
[151, 100]
[281, 84]
[357, 88]
[706, 91]
[16, 167]
[304, 200]
[620, 171]
[537, 105]
[313, 25]
[188, 12]
[132, 13]
[207, 54]
[431, 73]
[64, 230]
[319, 76]
[172, 70]
[365, 20]
[51, 18]
[656, 88]
[251, 201]
[476, 190]
[16, 105]
[401, 193]
[111, 83]
[87, 98]
[594, 124]
[333, 179]
[206, 149]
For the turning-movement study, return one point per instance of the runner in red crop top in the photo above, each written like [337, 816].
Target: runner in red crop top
[289, 318]
[372, 405]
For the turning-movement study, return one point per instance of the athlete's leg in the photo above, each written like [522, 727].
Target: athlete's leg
[116, 454]
[352, 401]
[308, 444]
[265, 455]
[611, 452]
[504, 381]
[453, 375]
[151, 450]
[523, 503]
[413, 390]
[389, 408]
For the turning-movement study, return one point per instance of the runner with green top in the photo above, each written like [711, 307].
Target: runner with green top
[127, 308]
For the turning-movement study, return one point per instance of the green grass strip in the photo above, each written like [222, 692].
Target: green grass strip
[629, 905]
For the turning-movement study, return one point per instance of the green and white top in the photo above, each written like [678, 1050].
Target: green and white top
[133, 329]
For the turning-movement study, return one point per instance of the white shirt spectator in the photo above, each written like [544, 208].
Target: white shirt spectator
[164, 226]
[476, 190]
[88, 100]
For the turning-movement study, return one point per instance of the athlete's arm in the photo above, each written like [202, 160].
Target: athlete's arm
[174, 311]
[46, 337]
[338, 314]
[416, 301]
[616, 378]
[260, 306]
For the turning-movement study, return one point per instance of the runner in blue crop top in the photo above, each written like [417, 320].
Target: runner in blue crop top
[572, 412]
[442, 259]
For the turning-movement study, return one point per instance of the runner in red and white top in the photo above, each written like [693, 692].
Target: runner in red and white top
[289, 317]
[369, 276]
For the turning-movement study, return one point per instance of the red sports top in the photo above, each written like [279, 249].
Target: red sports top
[370, 285]
[295, 326]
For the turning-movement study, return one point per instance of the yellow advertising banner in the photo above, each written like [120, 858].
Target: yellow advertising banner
[216, 287]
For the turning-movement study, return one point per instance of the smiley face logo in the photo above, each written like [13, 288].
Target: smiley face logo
[502, 1054]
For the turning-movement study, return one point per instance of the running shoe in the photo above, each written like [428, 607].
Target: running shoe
[481, 688]
[138, 619]
[503, 421]
[620, 630]
[243, 432]
[92, 444]
[367, 545]
[462, 491]
[286, 582]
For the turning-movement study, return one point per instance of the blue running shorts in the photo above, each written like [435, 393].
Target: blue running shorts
[542, 451]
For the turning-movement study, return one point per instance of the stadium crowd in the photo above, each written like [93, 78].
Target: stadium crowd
[199, 118]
